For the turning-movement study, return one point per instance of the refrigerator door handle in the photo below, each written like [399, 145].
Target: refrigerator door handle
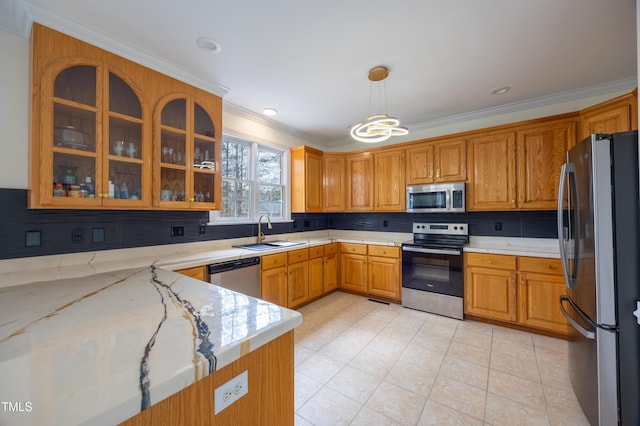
[586, 333]
[569, 279]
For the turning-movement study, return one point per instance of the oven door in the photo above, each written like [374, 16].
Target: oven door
[435, 270]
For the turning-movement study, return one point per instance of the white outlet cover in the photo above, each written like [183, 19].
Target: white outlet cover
[230, 392]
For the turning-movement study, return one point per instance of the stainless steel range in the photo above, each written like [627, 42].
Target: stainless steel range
[432, 276]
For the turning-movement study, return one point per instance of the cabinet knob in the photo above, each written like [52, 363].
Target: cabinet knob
[513, 201]
[192, 199]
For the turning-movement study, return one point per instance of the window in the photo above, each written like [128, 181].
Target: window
[253, 182]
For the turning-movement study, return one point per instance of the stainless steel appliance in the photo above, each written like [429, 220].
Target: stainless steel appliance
[598, 229]
[241, 275]
[432, 276]
[436, 198]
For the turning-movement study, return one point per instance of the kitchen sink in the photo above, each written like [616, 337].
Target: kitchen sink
[256, 246]
[269, 245]
[284, 243]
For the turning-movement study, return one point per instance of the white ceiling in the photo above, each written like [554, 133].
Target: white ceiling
[310, 59]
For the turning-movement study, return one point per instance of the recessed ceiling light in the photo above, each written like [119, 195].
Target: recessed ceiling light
[270, 111]
[208, 45]
[500, 90]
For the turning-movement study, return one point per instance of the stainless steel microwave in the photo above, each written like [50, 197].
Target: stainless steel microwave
[436, 198]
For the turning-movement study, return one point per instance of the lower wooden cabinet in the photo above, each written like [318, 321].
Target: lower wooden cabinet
[384, 271]
[273, 278]
[370, 270]
[353, 267]
[330, 267]
[296, 277]
[515, 289]
[316, 272]
[197, 272]
[490, 293]
[540, 285]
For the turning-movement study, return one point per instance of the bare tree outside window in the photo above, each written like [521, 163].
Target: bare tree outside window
[252, 181]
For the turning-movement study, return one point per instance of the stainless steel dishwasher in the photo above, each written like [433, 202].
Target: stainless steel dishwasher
[241, 275]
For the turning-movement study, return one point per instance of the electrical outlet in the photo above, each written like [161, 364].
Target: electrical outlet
[177, 231]
[32, 239]
[97, 235]
[498, 226]
[77, 235]
[202, 229]
[385, 223]
[230, 392]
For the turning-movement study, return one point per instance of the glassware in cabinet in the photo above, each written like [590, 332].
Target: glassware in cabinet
[124, 181]
[186, 155]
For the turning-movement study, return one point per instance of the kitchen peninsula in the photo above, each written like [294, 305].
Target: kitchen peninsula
[100, 349]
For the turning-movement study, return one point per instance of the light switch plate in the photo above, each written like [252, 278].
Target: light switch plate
[230, 392]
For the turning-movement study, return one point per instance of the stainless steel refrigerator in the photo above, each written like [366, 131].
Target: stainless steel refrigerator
[598, 231]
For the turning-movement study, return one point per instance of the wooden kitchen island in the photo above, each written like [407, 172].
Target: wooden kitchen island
[142, 346]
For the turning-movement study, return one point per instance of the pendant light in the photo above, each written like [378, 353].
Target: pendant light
[378, 127]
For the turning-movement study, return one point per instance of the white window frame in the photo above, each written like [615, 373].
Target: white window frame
[254, 213]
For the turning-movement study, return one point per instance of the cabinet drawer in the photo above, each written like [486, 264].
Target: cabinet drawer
[273, 260]
[315, 252]
[541, 265]
[353, 248]
[491, 260]
[298, 255]
[384, 251]
[330, 249]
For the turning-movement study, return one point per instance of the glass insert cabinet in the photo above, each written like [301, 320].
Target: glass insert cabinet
[110, 134]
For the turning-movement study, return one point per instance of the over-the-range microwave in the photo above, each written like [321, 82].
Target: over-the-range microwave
[436, 198]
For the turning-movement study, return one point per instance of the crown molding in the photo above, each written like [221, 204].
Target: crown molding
[265, 121]
[24, 16]
[570, 96]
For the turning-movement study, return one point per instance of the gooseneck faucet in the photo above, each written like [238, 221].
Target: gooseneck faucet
[261, 236]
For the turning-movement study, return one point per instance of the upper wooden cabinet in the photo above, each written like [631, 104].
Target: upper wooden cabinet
[89, 145]
[335, 182]
[616, 115]
[518, 170]
[306, 180]
[376, 181]
[541, 153]
[433, 162]
[389, 180]
[186, 155]
[93, 116]
[360, 190]
[492, 176]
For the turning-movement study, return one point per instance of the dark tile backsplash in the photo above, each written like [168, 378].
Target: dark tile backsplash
[69, 231]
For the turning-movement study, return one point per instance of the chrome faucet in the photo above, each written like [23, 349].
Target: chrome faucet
[261, 236]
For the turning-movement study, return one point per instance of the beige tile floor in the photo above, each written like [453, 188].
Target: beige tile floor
[359, 362]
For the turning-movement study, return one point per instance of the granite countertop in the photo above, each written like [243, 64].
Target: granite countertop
[534, 247]
[99, 349]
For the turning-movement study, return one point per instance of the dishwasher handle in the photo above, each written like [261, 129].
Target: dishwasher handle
[230, 265]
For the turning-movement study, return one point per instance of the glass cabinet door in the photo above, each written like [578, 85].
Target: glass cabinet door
[173, 153]
[124, 180]
[97, 146]
[75, 148]
[187, 151]
[204, 164]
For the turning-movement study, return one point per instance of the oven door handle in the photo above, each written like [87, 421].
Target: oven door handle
[432, 251]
